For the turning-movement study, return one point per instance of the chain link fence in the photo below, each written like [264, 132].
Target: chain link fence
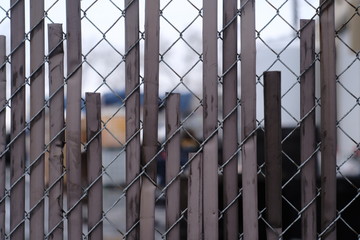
[104, 54]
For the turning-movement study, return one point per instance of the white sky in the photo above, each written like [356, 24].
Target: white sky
[103, 14]
[180, 13]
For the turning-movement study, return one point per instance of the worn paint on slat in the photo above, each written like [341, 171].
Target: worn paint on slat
[37, 115]
[195, 198]
[132, 81]
[57, 136]
[150, 114]
[230, 124]
[210, 121]
[17, 148]
[308, 128]
[73, 119]
[173, 165]
[94, 166]
[328, 119]
[248, 120]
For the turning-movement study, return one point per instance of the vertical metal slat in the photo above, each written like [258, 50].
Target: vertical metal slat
[273, 163]
[230, 124]
[173, 165]
[132, 81]
[73, 119]
[94, 158]
[2, 133]
[210, 111]
[195, 198]
[248, 120]
[17, 148]
[308, 129]
[150, 124]
[37, 116]
[57, 136]
[328, 119]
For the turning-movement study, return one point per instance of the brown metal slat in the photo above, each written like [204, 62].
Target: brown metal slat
[37, 116]
[56, 131]
[248, 120]
[273, 161]
[132, 108]
[73, 119]
[328, 119]
[94, 166]
[17, 148]
[172, 112]
[308, 129]
[230, 122]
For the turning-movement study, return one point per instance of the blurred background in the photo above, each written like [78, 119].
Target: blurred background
[277, 42]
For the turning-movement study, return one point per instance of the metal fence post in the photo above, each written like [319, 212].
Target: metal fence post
[37, 115]
[173, 165]
[308, 129]
[210, 111]
[73, 119]
[94, 158]
[273, 163]
[328, 119]
[57, 136]
[230, 116]
[2, 134]
[248, 120]
[17, 148]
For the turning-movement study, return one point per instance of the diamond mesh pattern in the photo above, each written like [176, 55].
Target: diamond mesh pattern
[181, 61]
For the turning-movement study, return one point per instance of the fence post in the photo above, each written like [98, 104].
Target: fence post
[328, 120]
[17, 148]
[150, 123]
[210, 111]
[248, 121]
[57, 136]
[308, 129]
[230, 116]
[132, 109]
[195, 198]
[273, 165]
[73, 117]
[172, 165]
[37, 122]
[3, 133]
[94, 158]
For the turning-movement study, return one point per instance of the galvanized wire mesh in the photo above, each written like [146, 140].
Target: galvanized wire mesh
[181, 61]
